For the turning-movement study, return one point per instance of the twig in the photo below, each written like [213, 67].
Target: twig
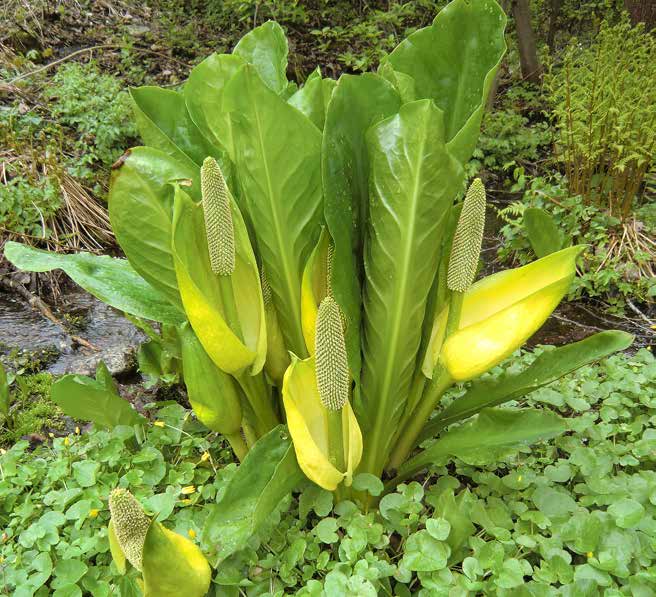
[91, 49]
[36, 303]
[638, 312]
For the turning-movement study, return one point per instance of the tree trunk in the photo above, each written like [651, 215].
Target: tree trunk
[528, 55]
[556, 5]
[642, 11]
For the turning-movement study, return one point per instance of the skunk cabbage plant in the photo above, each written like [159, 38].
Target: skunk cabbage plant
[316, 249]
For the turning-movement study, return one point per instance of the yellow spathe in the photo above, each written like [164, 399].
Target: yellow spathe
[308, 426]
[499, 313]
[201, 296]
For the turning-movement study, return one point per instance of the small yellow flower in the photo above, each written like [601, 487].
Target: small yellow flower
[188, 490]
[93, 512]
[67, 441]
[77, 431]
[186, 502]
[519, 478]
[159, 424]
[1, 559]
[191, 533]
[589, 554]
[205, 456]
[2, 451]
[51, 435]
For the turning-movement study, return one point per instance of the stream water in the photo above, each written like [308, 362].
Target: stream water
[115, 338]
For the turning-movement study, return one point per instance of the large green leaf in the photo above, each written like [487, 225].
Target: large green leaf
[140, 209]
[268, 473]
[265, 47]
[357, 103]
[313, 98]
[164, 123]
[549, 366]
[493, 428]
[278, 161]
[454, 62]
[413, 183]
[87, 399]
[542, 231]
[204, 97]
[111, 280]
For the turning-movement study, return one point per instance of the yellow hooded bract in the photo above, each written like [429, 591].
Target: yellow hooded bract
[308, 426]
[201, 296]
[499, 313]
[173, 565]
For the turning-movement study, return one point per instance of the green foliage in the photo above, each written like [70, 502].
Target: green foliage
[568, 516]
[96, 110]
[78, 128]
[607, 272]
[507, 139]
[605, 111]
[31, 410]
[27, 205]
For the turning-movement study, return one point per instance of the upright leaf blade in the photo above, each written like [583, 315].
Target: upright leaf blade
[111, 280]
[268, 473]
[413, 183]
[164, 123]
[86, 399]
[454, 62]
[278, 161]
[543, 233]
[141, 210]
[4, 392]
[313, 98]
[357, 103]
[265, 47]
[204, 97]
[547, 367]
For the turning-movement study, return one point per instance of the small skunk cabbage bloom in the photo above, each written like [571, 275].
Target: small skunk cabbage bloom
[315, 286]
[499, 314]
[170, 563]
[308, 421]
[218, 277]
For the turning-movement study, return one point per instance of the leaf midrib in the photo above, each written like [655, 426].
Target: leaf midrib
[396, 327]
[282, 248]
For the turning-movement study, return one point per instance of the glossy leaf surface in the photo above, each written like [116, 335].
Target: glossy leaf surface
[454, 62]
[265, 47]
[268, 474]
[141, 210]
[204, 98]
[164, 123]
[278, 161]
[357, 103]
[111, 280]
[413, 183]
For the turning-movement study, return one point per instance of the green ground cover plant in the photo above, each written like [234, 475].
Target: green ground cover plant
[572, 516]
